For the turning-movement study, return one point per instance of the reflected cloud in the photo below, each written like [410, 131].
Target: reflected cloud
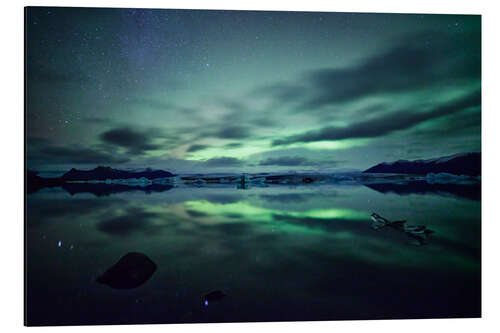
[44, 210]
[102, 189]
[135, 219]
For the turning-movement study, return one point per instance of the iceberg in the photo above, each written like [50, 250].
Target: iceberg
[445, 178]
[418, 232]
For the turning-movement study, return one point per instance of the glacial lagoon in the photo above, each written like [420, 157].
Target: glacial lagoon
[271, 252]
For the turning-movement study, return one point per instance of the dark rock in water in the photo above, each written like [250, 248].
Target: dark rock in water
[213, 296]
[131, 271]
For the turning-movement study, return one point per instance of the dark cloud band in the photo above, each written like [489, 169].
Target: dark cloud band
[383, 125]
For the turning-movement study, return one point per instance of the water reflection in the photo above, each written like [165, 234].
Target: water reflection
[102, 189]
[281, 252]
[466, 191]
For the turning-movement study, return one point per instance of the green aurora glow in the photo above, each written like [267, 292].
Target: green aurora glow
[219, 91]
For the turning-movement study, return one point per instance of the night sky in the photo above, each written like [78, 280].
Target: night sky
[214, 91]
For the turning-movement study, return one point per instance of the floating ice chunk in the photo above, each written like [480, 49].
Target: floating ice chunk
[417, 232]
[444, 177]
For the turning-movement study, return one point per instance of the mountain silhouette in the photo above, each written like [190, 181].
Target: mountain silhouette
[103, 173]
[35, 182]
[459, 164]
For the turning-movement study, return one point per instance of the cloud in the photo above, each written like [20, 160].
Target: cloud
[196, 213]
[233, 132]
[80, 155]
[236, 107]
[42, 151]
[458, 126]
[196, 147]
[285, 161]
[218, 162]
[233, 145]
[384, 124]
[241, 113]
[136, 142]
[416, 62]
[264, 122]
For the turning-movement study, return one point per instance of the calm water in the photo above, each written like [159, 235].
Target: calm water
[278, 253]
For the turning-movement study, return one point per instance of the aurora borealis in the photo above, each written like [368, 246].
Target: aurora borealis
[211, 91]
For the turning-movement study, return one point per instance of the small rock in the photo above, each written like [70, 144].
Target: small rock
[213, 296]
[131, 271]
